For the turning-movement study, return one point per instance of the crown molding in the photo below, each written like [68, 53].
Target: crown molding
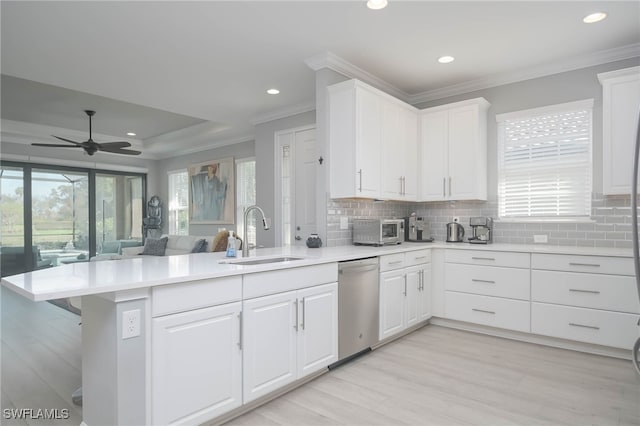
[283, 113]
[334, 62]
[578, 62]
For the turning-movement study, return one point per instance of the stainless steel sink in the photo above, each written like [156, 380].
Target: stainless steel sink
[262, 260]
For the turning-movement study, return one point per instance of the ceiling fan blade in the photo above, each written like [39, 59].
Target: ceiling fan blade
[56, 145]
[67, 140]
[121, 151]
[113, 145]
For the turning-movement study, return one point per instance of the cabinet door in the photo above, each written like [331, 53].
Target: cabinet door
[269, 339]
[392, 303]
[196, 364]
[620, 106]
[463, 153]
[414, 283]
[317, 328]
[434, 133]
[392, 159]
[409, 136]
[368, 143]
[424, 296]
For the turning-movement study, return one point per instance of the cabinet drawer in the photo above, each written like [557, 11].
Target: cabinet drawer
[486, 257]
[390, 262]
[591, 264]
[610, 292]
[512, 283]
[172, 298]
[585, 325]
[487, 310]
[418, 257]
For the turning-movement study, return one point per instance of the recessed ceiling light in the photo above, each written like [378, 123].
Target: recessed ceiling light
[130, 134]
[446, 59]
[377, 4]
[594, 17]
[273, 91]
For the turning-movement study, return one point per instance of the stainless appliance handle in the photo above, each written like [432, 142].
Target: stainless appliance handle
[584, 264]
[482, 281]
[444, 183]
[304, 312]
[483, 311]
[295, 325]
[577, 290]
[483, 258]
[360, 173]
[592, 327]
[357, 269]
[449, 186]
[405, 285]
[635, 353]
[400, 178]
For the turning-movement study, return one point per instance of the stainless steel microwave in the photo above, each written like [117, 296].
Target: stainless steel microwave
[378, 232]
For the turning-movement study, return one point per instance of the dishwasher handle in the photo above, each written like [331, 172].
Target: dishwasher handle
[356, 269]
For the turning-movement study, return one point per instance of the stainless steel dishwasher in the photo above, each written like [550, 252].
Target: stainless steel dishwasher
[358, 309]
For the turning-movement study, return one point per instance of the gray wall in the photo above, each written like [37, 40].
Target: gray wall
[240, 150]
[265, 173]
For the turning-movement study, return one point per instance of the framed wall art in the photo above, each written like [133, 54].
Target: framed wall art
[212, 192]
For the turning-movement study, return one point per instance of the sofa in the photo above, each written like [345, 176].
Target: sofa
[13, 260]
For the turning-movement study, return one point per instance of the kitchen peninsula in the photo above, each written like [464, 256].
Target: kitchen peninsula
[216, 338]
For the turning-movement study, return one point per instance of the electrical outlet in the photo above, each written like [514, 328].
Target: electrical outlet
[540, 238]
[130, 324]
[456, 219]
[344, 222]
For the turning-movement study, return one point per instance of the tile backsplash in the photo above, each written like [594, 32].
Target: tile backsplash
[610, 224]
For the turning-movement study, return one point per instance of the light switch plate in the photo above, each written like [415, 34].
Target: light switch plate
[540, 238]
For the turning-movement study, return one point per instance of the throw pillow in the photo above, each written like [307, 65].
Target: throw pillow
[200, 246]
[155, 247]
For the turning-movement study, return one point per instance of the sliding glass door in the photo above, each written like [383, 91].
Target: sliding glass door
[50, 216]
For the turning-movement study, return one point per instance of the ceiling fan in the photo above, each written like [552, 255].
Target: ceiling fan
[91, 147]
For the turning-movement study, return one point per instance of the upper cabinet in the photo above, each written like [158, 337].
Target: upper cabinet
[620, 109]
[372, 144]
[453, 151]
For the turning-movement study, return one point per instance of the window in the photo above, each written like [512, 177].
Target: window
[179, 202]
[245, 196]
[544, 162]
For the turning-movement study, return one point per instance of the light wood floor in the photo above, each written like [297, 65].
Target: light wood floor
[435, 376]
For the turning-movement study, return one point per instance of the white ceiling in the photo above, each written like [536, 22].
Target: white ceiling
[213, 60]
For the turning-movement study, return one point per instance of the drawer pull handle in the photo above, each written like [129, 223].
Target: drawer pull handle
[482, 281]
[577, 290]
[397, 262]
[420, 257]
[592, 327]
[482, 310]
[584, 264]
[483, 258]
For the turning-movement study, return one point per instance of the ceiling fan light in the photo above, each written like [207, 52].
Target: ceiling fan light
[377, 4]
[594, 17]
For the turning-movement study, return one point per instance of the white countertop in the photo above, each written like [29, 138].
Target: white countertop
[80, 279]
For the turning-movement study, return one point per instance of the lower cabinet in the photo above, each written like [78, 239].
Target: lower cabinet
[196, 364]
[287, 336]
[405, 298]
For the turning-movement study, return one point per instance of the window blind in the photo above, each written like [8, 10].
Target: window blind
[544, 163]
[245, 196]
[179, 203]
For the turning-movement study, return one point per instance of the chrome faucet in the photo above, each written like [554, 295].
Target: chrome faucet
[265, 225]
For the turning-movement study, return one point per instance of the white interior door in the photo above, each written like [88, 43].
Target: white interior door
[304, 187]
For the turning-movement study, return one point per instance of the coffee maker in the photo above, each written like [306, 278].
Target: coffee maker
[416, 229]
[481, 230]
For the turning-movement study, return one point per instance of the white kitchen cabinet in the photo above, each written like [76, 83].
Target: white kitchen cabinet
[196, 364]
[453, 151]
[405, 292]
[488, 287]
[287, 336]
[620, 108]
[398, 167]
[372, 144]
